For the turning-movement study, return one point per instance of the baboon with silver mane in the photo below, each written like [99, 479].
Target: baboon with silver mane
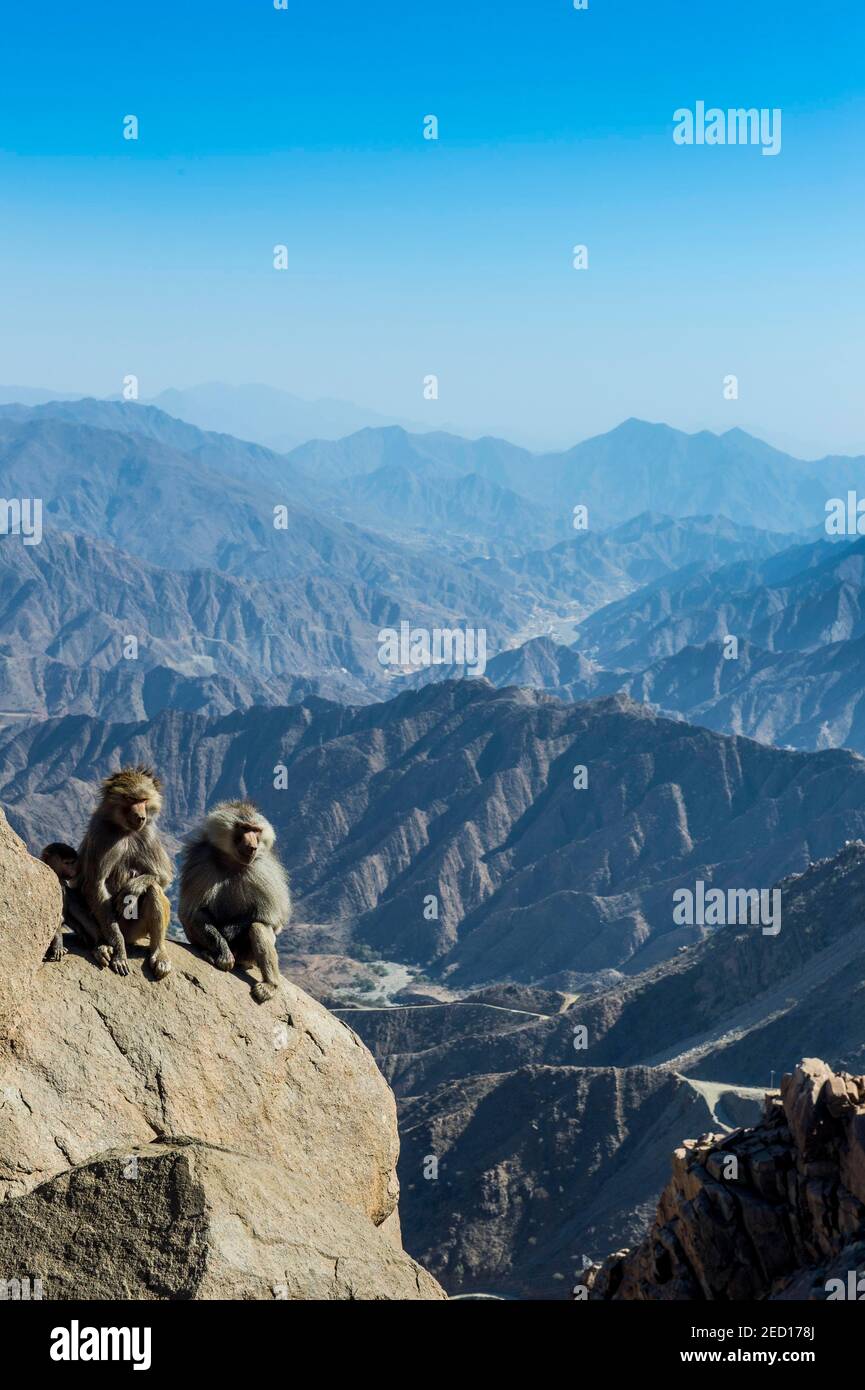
[124, 870]
[234, 894]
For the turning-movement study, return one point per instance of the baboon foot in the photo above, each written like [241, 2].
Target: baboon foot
[160, 964]
[262, 991]
[225, 961]
[56, 952]
[102, 956]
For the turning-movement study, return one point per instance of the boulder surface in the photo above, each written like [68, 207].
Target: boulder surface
[173, 1139]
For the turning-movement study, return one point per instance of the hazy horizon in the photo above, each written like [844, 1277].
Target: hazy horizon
[408, 257]
[43, 395]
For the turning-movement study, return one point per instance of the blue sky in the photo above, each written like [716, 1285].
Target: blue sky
[409, 257]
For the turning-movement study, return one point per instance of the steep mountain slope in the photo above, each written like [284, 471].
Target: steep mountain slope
[552, 1140]
[217, 453]
[802, 700]
[163, 506]
[727, 1008]
[797, 600]
[542, 664]
[593, 569]
[431, 454]
[69, 607]
[810, 699]
[390, 498]
[469, 507]
[795, 678]
[307, 601]
[537, 1169]
[617, 475]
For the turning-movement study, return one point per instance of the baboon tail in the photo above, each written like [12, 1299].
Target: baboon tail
[164, 904]
[136, 886]
[140, 884]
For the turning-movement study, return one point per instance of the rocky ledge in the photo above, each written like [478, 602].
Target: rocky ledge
[776, 1211]
[171, 1139]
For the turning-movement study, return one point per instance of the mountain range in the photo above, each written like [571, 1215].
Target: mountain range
[794, 676]
[464, 795]
[440, 550]
[500, 853]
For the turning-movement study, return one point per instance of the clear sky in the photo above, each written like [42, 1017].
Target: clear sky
[304, 126]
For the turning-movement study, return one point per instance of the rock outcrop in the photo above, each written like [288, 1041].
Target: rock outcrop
[172, 1139]
[772, 1212]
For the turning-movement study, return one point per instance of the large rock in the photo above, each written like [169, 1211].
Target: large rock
[30, 904]
[772, 1212]
[173, 1139]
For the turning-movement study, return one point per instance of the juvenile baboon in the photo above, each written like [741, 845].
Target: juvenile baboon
[234, 895]
[63, 860]
[125, 870]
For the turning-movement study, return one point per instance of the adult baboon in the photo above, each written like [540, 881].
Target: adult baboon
[63, 860]
[125, 870]
[234, 895]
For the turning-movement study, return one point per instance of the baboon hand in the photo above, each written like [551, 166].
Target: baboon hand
[160, 964]
[119, 963]
[262, 991]
[103, 955]
[56, 951]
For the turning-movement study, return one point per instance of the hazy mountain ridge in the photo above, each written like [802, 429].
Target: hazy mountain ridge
[275, 418]
[317, 592]
[620, 474]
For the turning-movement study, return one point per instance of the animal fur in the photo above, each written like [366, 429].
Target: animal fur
[124, 870]
[233, 909]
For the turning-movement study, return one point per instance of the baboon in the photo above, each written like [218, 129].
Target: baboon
[125, 870]
[63, 859]
[234, 894]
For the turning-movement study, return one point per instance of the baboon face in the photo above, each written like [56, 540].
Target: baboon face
[131, 798]
[129, 812]
[239, 832]
[247, 838]
[62, 859]
[136, 814]
[63, 868]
